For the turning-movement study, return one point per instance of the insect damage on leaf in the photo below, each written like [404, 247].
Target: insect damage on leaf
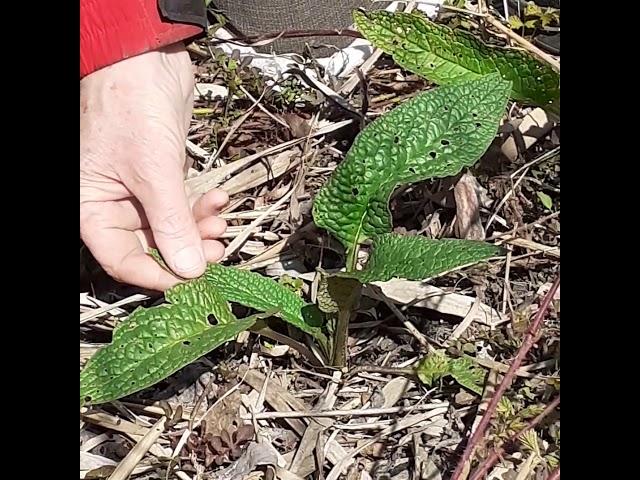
[433, 135]
[153, 343]
[263, 294]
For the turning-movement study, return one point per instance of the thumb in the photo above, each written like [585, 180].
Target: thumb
[172, 224]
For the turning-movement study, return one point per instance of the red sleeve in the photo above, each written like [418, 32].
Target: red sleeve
[112, 30]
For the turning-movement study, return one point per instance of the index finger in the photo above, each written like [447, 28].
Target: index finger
[122, 256]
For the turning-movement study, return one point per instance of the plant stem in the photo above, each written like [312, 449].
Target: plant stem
[340, 338]
[341, 333]
[497, 452]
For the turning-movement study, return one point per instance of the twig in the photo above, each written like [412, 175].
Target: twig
[465, 323]
[408, 325]
[510, 233]
[524, 169]
[128, 463]
[267, 38]
[496, 453]
[240, 239]
[359, 412]
[397, 427]
[527, 45]
[507, 289]
[263, 108]
[527, 343]
[541, 158]
[443, 6]
[231, 131]
[91, 314]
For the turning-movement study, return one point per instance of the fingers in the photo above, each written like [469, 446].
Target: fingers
[213, 250]
[212, 227]
[121, 252]
[122, 256]
[128, 214]
[211, 203]
[171, 221]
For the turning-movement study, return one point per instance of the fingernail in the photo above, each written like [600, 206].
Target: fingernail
[188, 259]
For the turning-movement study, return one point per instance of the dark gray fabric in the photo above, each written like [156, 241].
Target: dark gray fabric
[258, 17]
[184, 11]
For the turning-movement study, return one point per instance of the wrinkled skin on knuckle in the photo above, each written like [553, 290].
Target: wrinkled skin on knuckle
[173, 224]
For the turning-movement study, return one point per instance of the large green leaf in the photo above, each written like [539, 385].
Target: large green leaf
[414, 257]
[153, 343]
[444, 55]
[435, 134]
[262, 293]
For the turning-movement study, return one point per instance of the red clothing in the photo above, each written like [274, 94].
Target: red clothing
[112, 30]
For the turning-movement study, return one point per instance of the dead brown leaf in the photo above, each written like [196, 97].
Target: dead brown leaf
[468, 224]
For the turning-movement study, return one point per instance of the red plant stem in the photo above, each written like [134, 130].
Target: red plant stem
[493, 457]
[555, 475]
[527, 343]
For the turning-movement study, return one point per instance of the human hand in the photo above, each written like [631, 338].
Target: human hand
[134, 118]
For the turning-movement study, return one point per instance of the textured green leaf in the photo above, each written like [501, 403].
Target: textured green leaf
[433, 367]
[200, 295]
[444, 55]
[435, 134]
[414, 257]
[438, 365]
[262, 293]
[153, 343]
[467, 373]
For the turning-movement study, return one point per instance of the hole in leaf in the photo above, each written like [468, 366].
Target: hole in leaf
[355, 191]
[186, 343]
[445, 108]
[432, 154]
[211, 319]
[474, 115]
[150, 345]
[396, 139]
[431, 65]
[87, 398]
[444, 142]
[412, 170]
[478, 124]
